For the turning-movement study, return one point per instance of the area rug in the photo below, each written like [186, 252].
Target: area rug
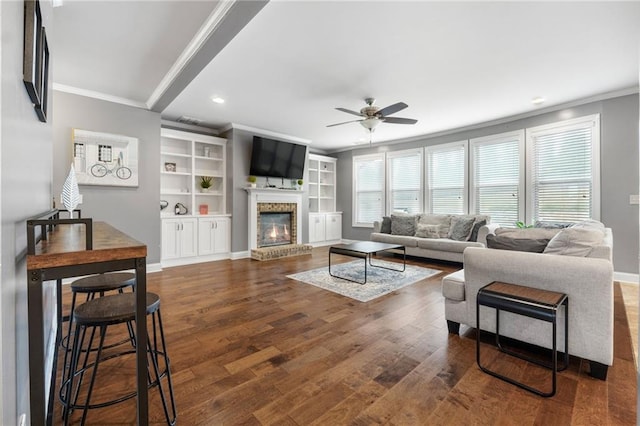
[379, 281]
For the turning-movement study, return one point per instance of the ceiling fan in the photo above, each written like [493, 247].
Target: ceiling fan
[372, 115]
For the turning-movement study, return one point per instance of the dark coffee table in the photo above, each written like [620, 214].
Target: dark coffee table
[364, 250]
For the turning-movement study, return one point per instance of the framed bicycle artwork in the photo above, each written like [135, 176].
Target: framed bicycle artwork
[105, 159]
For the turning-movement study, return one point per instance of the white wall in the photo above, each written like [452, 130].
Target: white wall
[25, 177]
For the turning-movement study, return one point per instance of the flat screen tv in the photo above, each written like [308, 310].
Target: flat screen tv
[274, 158]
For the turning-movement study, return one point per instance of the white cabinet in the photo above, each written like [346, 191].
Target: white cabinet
[179, 238]
[316, 227]
[333, 226]
[325, 228]
[213, 235]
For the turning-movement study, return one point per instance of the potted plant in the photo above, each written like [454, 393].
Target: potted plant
[205, 183]
[300, 182]
[252, 181]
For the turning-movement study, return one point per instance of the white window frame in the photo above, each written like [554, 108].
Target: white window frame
[354, 180]
[429, 150]
[496, 139]
[580, 122]
[388, 192]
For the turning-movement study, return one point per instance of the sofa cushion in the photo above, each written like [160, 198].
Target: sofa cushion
[479, 223]
[403, 224]
[505, 242]
[427, 231]
[453, 286]
[402, 240]
[442, 220]
[461, 227]
[574, 242]
[385, 227]
[530, 233]
[445, 244]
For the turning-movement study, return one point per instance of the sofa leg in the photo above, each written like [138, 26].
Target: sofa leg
[454, 327]
[598, 371]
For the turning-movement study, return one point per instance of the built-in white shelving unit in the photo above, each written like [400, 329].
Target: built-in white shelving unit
[325, 224]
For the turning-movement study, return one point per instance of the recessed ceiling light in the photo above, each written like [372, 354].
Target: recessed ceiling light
[537, 100]
[217, 99]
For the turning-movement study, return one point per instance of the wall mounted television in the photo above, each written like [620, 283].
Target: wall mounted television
[274, 158]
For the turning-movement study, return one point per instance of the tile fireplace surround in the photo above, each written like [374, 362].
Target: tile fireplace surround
[275, 200]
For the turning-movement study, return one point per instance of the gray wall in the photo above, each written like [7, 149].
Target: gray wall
[619, 119]
[25, 178]
[239, 158]
[134, 211]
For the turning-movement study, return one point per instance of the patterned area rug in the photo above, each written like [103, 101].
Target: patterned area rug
[379, 281]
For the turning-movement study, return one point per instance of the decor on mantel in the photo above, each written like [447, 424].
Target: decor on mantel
[252, 181]
[379, 281]
[70, 192]
[300, 182]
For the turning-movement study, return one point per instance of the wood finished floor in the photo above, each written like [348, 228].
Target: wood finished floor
[249, 346]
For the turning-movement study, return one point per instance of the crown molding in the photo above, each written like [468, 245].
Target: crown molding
[98, 95]
[210, 25]
[189, 127]
[263, 132]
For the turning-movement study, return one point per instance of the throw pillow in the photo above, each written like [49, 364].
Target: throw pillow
[552, 225]
[476, 227]
[529, 233]
[574, 242]
[501, 242]
[461, 227]
[385, 227]
[403, 225]
[589, 224]
[427, 231]
[442, 220]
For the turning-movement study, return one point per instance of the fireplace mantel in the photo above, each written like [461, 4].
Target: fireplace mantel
[271, 195]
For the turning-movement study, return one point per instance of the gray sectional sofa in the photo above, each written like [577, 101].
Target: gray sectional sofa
[576, 265]
[441, 237]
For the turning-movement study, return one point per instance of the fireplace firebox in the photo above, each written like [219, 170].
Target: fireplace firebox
[275, 229]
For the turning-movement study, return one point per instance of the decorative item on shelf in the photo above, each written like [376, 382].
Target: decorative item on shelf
[163, 204]
[252, 181]
[207, 151]
[170, 167]
[300, 182]
[70, 192]
[204, 209]
[205, 183]
[180, 209]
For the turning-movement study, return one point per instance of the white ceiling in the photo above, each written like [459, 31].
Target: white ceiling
[455, 64]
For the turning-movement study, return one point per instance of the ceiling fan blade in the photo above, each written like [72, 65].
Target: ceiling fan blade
[344, 122]
[398, 120]
[391, 109]
[348, 111]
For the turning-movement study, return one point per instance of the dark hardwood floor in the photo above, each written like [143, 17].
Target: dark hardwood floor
[249, 346]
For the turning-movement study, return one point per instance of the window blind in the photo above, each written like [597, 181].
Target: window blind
[496, 178]
[369, 189]
[405, 181]
[562, 175]
[446, 191]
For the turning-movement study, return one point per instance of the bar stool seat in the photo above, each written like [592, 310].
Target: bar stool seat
[99, 314]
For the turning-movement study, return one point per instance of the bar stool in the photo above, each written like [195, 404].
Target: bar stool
[92, 285]
[99, 314]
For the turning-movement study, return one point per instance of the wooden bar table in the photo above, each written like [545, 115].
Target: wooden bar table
[64, 251]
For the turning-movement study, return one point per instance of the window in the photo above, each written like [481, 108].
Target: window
[497, 177]
[368, 189]
[446, 169]
[404, 172]
[563, 174]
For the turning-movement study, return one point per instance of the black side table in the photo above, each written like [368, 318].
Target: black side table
[530, 302]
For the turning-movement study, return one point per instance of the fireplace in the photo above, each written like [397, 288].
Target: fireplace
[274, 229]
[274, 213]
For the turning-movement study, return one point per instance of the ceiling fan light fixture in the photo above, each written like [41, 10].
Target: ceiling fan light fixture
[370, 123]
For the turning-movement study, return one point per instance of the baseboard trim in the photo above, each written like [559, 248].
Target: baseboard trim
[154, 267]
[626, 277]
[235, 255]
